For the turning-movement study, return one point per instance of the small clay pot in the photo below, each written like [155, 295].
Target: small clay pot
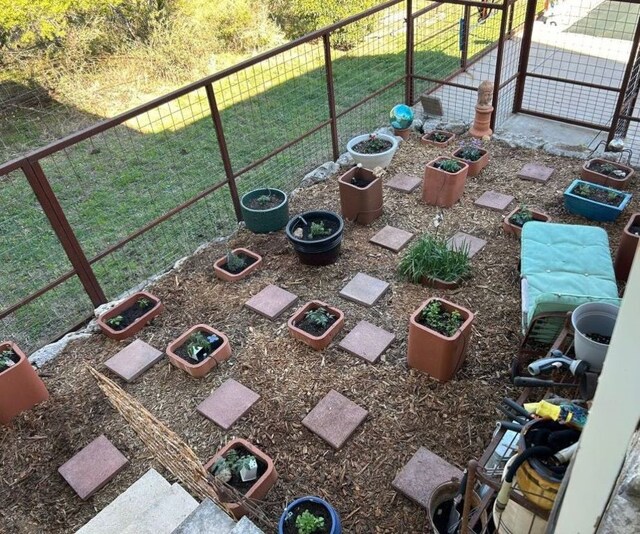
[315, 342]
[426, 141]
[198, 370]
[437, 283]
[405, 133]
[515, 230]
[225, 275]
[627, 248]
[360, 204]
[609, 181]
[136, 325]
[442, 188]
[475, 167]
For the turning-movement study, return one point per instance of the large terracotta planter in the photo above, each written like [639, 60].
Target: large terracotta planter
[261, 486]
[20, 386]
[225, 275]
[515, 230]
[431, 142]
[316, 342]
[609, 181]
[475, 167]
[360, 204]
[433, 353]
[136, 325]
[198, 370]
[442, 188]
[627, 247]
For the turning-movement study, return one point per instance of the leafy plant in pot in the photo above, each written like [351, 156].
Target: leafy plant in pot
[198, 350]
[595, 202]
[444, 181]
[372, 150]
[607, 173]
[513, 223]
[130, 316]
[316, 236]
[316, 324]
[310, 515]
[439, 138]
[472, 153]
[237, 264]
[265, 210]
[361, 195]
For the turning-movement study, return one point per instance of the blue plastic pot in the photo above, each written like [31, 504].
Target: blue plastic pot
[289, 514]
[591, 209]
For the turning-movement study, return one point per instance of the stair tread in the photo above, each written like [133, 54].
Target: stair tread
[246, 526]
[207, 518]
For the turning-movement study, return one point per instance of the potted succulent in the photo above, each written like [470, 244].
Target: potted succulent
[627, 247]
[360, 195]
[316, 236]
[237, 264]
[265, 210]
[130, 316]
[316, 324]
[439, 138]
[20, 386]
[473, 155]
[607, 173]
[431, 262]
[444, 180]
[372, 150]
[439, 333]
[513, 223]
[198, 350]
[595, 202]
[309, 515]
[246, 469]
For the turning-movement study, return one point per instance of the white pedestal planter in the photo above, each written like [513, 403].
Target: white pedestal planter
[371, 161]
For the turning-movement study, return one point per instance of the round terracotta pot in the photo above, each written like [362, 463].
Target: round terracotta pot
[225, 275]
[198, 370]
[362, 205]
[315, 342]
[138, 324]
[515, 230]
[442, 188]
[602, 179]
[475, 167]
[627, 248]
[405, 133]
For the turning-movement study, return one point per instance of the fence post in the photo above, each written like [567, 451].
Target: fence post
[331, 95]
[523, 62]
[499, 57]
[224, 150]
[464, 59]
[408, 56]
[53, 211]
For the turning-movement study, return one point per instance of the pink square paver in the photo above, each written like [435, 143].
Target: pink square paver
[93, 467]
[134, 360]
[228, 403]
[404, 182]
[367, 341]
[392, 238]
[494, 201]
[475, 243]
[271, 302]
[535, 173]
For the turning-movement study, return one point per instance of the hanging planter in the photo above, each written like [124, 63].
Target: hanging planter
[316, 236]
[316, 324]
[607, 173]
[440, 138]
[265, 210]
[513, 223]
[310, 514]
[130, 316]
[237, 264]
[595, 202]
[473, 155]
[198, 350]
[627, 247]
[372, 150]
[444, 181]
[360, 195]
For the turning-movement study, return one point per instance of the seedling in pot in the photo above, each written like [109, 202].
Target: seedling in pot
[246, 467]
[441, 321]
[235, 263]
[308, 523]
[522, 216]
[6, 360]
[318, 229]
[449, 165]
[373, 145]
[263, 200]
[116, 321]
[319, 317]
[470, 150]
[199, 345]
[143, 303]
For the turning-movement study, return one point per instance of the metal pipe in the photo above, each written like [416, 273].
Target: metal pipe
[523, 61]
[563, 119]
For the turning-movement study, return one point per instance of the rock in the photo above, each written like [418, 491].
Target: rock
[346, 160]
[417, 125]
[558, 149]
[518, 140]
[320, 174]
[50, 351]
[454, 126]
[387, 130]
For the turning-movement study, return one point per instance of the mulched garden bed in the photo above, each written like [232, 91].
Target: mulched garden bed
[406, 408]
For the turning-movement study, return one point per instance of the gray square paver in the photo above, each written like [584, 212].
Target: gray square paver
[475, 243]
[404, 182]
[228, 403]
[93, 467]
[367, 341]
[422, 474]
[134, 360]
[364, 289]
[535, 173]
[494, 201]
[392, 238]
[335, 418]
[271, 302]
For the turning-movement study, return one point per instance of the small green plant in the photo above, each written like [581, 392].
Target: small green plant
[608, 168]
[375, 144]
[471, 150]
[431, 257]
[115, 321]
[436, 318]
[6, 360]
[522, 216]
[318, 229]
[319, 317]
[612, 196]
[235, 263]
[439, 137]
[200, 345]
[584, 190]
[308, 523]
[232, 463]
[143, 303]
[263, 200]
[449, 165]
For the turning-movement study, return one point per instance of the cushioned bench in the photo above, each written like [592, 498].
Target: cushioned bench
[563, 266]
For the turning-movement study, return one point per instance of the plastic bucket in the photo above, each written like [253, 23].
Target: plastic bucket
[440, 504]
[593, 318]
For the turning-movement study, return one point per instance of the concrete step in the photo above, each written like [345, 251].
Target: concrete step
[207, 518]
[245, 526]
[129, 505]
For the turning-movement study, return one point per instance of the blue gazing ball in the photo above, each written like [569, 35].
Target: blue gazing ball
[401, 116]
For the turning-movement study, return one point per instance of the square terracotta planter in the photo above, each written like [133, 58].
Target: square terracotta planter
[225, 275]
[515, 230]
[475, 167]
[198, 370]
[360, 204]
[426, 141]
[627, 247]
[433, 353]
[602, 179]
[260, 487]
[20, 386]
[442, 188]
[316, 342]
[137, 324]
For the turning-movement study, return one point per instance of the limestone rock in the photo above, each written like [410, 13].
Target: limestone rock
[346, 160]
[320, 174]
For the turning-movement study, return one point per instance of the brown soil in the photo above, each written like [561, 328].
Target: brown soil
[372, 146]
[407, 409]
[131, 314]
[597, 194]
[274, 200]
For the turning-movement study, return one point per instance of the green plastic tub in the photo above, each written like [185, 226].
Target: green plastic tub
[270, 219]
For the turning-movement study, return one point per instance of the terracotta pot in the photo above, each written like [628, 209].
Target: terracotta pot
[405, 133]
[602, 179]
[515, 230]
[627, 248]
[426, 141]
[138, 324]
[316, 342]
[475, 167]
[198, 370]
[442, 188]
[360, 204]
[225, 275]
[436, 283]
[20, 386]
[434, 353]
[261, 486]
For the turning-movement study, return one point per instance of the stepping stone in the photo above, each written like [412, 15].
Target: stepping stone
[392, 238]
[367, 341]
[271, 302]
[423, 474]
[134, 360]
[404, 182]
[207, 518]
[228, 403]
[244, 526]
[364, 289]
[494, 201]
[475, 243]
[335, 418]
[93, 467]
[535, 173]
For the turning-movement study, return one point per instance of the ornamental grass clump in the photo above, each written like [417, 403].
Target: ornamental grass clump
[430, 258]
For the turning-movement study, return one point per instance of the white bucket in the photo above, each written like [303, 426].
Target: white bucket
[593, 318]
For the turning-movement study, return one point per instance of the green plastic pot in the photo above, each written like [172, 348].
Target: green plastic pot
[265, 221]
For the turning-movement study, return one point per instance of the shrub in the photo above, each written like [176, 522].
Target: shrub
[430, 257]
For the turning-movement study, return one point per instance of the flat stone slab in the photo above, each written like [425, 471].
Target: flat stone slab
[423, 474]
[335, 418]
[535, 173]
[392, 238]
[364, 289]
[93, 467]
[271, 302]
[475, 243]
[494, 201]
[367, 341]
[245, 526]
[207, 518]
[404, 182]
[133, 360]
[228, 403]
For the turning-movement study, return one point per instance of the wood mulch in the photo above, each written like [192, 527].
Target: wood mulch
[407, 409]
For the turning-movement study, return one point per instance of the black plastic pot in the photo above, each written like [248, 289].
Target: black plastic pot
[318, 251]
